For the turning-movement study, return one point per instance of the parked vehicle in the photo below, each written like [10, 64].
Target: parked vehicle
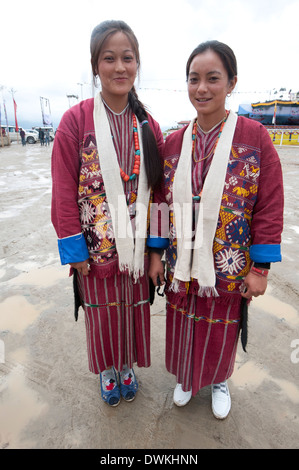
[31, 136]
[14, 136]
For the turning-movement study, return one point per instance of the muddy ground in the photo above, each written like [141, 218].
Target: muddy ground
[49, 399]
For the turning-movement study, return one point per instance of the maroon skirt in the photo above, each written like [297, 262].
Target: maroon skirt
[117, 320]
[201, 341]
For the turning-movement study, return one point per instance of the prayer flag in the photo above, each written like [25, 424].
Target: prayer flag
[5, 113]
[15, 106]
[46, 112]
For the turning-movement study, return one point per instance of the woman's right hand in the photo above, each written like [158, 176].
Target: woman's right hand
[82, 267]
[255, 285]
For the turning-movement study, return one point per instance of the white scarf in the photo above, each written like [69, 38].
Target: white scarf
[197, 261]
[130, 251]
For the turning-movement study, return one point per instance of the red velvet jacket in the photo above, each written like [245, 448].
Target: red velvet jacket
[74, 144]
[251, 216]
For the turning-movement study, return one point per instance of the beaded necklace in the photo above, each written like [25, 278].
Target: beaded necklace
[214, 147]
[136, 165]
[197, 198]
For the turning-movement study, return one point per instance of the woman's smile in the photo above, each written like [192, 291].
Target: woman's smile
[208, 86]
[203, 100]
[117, 69]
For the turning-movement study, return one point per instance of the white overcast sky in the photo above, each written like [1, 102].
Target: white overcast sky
[45, 50]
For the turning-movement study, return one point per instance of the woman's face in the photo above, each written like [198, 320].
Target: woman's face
[117, 68]
[208, 85]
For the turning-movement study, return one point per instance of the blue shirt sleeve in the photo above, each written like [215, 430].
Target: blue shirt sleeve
[265, 253]
[73, 249]
[157, 242]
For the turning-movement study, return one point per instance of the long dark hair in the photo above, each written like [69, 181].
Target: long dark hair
[99, 35]
[225, 53]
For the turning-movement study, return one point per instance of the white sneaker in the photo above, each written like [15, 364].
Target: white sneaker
[180, 397]
[221, 401]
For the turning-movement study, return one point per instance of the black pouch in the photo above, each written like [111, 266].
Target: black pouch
[244, 326]
[77, 298]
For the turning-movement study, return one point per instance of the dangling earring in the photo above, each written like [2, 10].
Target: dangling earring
[229, 95]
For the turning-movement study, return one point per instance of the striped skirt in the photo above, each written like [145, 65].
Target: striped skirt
[201, 341]
[117, 320]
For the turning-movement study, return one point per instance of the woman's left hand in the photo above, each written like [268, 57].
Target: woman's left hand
[82, 267]
[255, 285]
[156, 269]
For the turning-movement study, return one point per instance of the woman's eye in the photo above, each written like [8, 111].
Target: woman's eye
[193, 81]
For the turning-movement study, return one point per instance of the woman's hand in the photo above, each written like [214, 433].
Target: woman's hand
[82, 267]
[255, 285]
[156, 269]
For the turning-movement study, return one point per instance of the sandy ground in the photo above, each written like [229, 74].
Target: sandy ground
[49, 399]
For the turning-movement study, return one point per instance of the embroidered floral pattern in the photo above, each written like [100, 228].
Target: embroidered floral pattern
[92, 238]
[233, 180]
[94, 209]
[232, 238]
[230, 261]
[238, 231]
[87, 212]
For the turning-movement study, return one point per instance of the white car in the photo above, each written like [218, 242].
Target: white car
[31, 136]
[14, 136]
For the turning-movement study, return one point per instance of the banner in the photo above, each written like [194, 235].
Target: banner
[1, 142]
[5, 114]
[15, 106]
[46, 112]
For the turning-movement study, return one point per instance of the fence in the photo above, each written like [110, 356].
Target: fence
[284, 136]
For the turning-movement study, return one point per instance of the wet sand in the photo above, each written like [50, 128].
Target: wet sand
[49, 399]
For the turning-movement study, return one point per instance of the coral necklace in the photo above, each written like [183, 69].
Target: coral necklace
[136, 165]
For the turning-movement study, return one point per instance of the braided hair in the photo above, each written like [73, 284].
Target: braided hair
[99, 35]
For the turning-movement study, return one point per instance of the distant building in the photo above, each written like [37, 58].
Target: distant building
[274, 112]
[182, 124]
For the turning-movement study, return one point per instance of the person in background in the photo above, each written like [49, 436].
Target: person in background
[41, 136]
[47, 137]
[224, 187]
[105, 163]
[23, 136]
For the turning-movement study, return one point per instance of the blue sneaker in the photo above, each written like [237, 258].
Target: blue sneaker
[128, 384]
[109, 387]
